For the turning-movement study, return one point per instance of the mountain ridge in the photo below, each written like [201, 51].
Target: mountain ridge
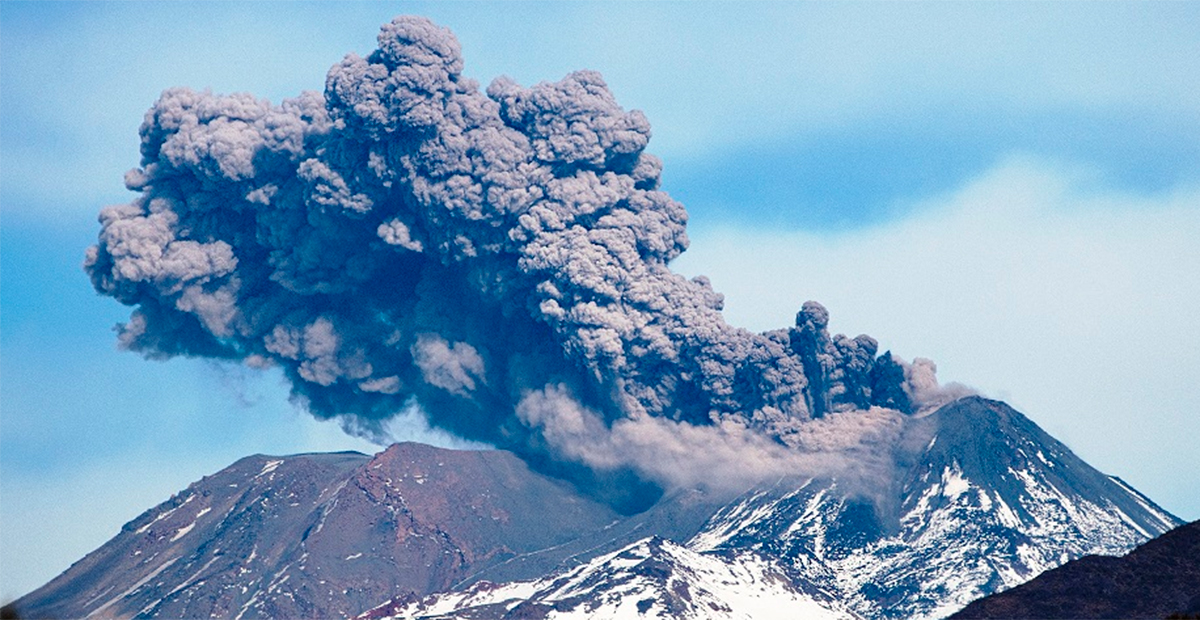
[960, 531]
[982, 500]
[1155, 580]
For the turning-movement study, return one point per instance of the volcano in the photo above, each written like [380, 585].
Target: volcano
[985, 502]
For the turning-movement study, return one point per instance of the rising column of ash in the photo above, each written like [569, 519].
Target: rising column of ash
[499, 258]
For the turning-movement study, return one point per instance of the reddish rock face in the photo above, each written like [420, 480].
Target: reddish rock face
[325, 535]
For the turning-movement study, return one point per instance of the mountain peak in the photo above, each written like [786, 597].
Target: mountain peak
[983, 500]
[985, 444]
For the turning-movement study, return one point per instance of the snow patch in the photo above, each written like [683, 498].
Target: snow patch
[953, 483]
[141, 582]
[183, 531]
[269, 467]
[164, 515]
[614, 585]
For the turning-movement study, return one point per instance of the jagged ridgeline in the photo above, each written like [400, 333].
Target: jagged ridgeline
[499, 257]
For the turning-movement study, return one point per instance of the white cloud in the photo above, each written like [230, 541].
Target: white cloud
[1032, 283]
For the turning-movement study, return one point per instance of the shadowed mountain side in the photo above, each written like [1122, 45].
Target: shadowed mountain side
[1156, 580]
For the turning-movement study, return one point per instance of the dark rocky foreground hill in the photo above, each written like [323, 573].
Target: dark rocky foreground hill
[1157, 580]
[983, 500]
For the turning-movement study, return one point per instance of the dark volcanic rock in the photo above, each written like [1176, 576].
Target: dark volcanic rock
[1156, 580]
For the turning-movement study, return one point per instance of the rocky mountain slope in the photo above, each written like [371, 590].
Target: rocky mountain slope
[652, 578]
[989, 503]
[325, 535]
[1156, 580]
[984, 501]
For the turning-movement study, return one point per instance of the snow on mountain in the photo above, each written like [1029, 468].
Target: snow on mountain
[991, 502]
[652, 578]
[981, 500]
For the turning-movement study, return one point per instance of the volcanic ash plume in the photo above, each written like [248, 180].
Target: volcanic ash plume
[499, 258]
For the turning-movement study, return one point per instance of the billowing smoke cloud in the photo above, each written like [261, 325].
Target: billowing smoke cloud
[499, 258]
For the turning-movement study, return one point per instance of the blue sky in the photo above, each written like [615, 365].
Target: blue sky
[1012, 190]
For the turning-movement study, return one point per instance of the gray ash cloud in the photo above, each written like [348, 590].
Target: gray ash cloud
[499, 257]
